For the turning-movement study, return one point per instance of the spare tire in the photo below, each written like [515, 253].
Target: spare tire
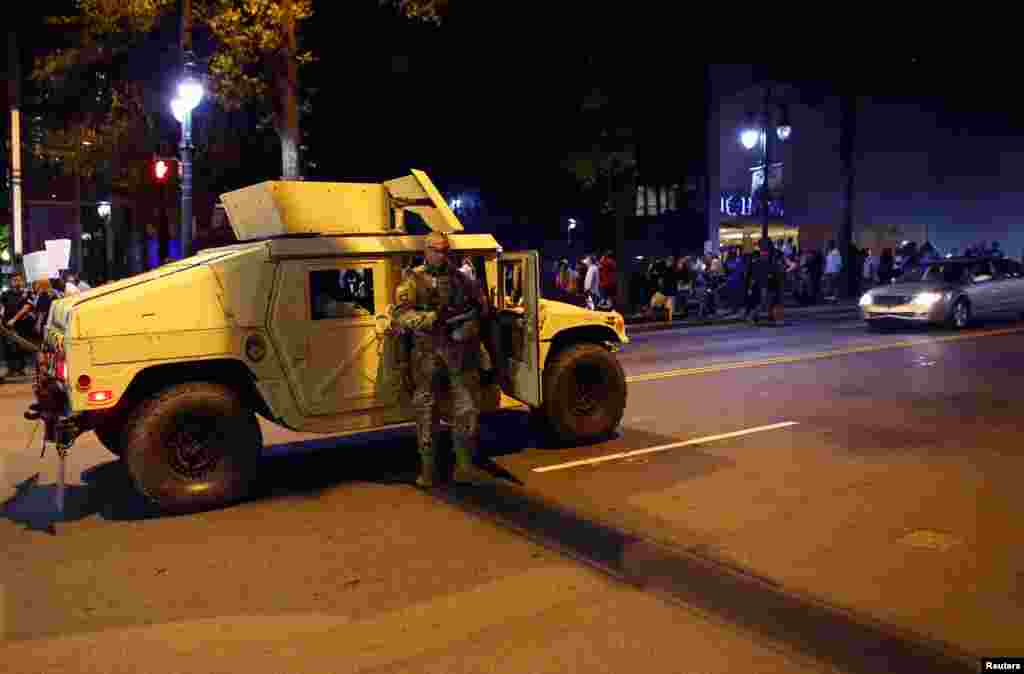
[584, 394]
[193, 446]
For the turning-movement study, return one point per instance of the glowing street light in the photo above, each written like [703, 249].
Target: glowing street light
[749, 138]
[190, 95]
[759, 132]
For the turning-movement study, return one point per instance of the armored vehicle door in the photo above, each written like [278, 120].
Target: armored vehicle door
[518, 303]
[323, 323]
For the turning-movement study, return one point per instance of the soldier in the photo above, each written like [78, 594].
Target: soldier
[443, 308]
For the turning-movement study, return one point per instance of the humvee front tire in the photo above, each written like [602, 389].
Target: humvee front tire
[193, 446]
[584, 394]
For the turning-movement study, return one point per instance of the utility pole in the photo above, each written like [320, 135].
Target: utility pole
[847, 139]
[185, 229]
[14, 90]
[767, 131]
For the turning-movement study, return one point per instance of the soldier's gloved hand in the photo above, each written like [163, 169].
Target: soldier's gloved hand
[429, 320]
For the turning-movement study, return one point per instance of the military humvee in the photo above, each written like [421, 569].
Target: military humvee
[171, 367]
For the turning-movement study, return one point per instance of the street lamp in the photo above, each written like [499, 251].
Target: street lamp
[190, 94]
[572, 226]
[760, 131]
[749, 138]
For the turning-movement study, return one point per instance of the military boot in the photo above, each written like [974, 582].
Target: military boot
[428, 476]
[466, 472]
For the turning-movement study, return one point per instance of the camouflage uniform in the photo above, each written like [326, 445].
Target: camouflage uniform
[426, 296]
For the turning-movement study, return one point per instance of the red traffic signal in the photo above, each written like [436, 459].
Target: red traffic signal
[162, 168]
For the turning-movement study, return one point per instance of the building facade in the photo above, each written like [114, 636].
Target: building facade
[923, 171]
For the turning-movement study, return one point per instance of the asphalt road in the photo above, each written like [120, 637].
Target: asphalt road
[808, 497]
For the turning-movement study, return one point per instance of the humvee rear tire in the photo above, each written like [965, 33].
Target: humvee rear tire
[193, 446]
[584, 394]
[111, 437]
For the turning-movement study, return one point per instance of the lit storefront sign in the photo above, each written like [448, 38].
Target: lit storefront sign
[737, 204]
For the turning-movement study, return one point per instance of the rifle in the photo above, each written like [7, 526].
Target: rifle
[459, 319]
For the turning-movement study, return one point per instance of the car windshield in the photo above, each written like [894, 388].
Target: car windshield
[945, 272]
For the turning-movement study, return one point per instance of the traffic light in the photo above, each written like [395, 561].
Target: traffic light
[163, 169]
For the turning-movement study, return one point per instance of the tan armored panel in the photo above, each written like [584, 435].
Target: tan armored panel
[417, 193]
[279, 207]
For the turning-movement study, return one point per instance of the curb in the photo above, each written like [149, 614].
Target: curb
[642, 327]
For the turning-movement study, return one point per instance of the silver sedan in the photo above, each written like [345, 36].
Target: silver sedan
[953, 291]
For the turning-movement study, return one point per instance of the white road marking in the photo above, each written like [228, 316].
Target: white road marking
[662, 448]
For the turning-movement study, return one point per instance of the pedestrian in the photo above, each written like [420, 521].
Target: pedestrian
[870, 269]
[655, 270]
[428, 297]
[736, 284]
[886, 266]
[684, 287]
[581, 277]
[70, 286]
[609, 280]
[17, 307]
[592, 282]
[669, 286]
[46, 291]
[833, 267]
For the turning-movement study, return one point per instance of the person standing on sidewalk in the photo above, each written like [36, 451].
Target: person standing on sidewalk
[870, 272]
[684, 287]
[608, 278]
[591, 284]
[17, 306]
[669, 285]
[886, 266]
[737, 281]
[833, 267]
[756, 284]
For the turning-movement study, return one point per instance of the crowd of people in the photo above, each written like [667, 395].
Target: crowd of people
[593, 281]
[25, 310]
[751, 283]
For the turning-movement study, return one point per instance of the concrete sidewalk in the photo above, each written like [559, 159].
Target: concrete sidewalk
[635, 324]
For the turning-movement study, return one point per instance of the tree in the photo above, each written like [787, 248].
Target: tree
[255, 60]
[602, 157]
[432, 11]
[78, 130]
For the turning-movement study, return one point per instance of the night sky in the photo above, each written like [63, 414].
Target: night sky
[490, 99]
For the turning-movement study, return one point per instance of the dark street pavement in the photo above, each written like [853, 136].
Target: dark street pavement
[809, 497]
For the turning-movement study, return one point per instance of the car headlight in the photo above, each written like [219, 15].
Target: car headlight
[866, 299]
[927, 299]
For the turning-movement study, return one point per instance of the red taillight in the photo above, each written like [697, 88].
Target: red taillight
[84, 382]
[101, 396]
[61, 371]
